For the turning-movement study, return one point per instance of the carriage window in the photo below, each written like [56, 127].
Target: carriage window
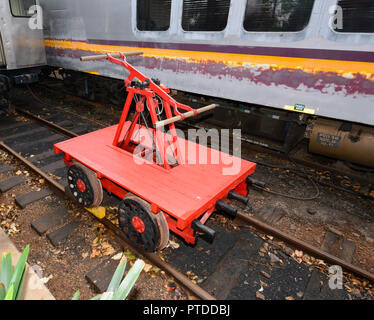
[358, 16]
[20, 8]
[277, 15]
[153, 15]
[205, 15]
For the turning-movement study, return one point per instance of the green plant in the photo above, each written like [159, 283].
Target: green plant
[11, 281]
[117, 289]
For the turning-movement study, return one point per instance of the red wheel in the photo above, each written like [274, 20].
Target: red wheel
[84, 185]
[138, 224]
[146, 230]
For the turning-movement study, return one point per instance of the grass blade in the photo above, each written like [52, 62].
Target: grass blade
[129, 281]
[117, 277]
[6, 270]
[76, 295]
[107, 295]
[20, 284]
[19, 271]
[10, 293]
[2, 292]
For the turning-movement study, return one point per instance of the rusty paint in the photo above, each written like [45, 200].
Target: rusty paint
[326, 76]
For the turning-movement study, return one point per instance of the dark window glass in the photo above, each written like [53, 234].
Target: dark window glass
[20, 8]
[205, 15]
[153, 15]
[277, 15]
[358, 16]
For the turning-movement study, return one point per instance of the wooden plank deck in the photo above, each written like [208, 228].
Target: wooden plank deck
[184, 191]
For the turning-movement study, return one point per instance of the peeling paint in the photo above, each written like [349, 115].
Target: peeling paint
[325, 76]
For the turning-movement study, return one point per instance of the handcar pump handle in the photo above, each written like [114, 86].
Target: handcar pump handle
[184, 116]
[114, 55]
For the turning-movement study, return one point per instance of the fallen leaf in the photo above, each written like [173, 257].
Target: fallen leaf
[263, 283]
[259, 295]
[45, 280]
[118, 256]
[266, 275]
[299, 254]
[147, 268]
[109, 251]
[95, 253]
[129, 255]
[290, 298]
[155, 269]
[84, 255]
[356, 282]
[173, 244]
[349, 289]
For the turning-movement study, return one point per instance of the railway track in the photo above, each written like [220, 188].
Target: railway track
[59, 188]
[209, 275]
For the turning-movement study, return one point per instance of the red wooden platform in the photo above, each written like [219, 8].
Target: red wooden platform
[185, 192]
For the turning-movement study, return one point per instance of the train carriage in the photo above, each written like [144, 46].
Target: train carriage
[22, 52]
[309, 56]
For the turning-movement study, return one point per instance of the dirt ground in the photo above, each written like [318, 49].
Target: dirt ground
[338, 211]
[63, 268]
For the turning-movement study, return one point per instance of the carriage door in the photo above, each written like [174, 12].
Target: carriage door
[2, 57]
[27, 38]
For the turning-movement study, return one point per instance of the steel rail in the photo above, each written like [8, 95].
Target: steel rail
[248, 220]
[152, 257]
[306, 247]
[47, 123]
